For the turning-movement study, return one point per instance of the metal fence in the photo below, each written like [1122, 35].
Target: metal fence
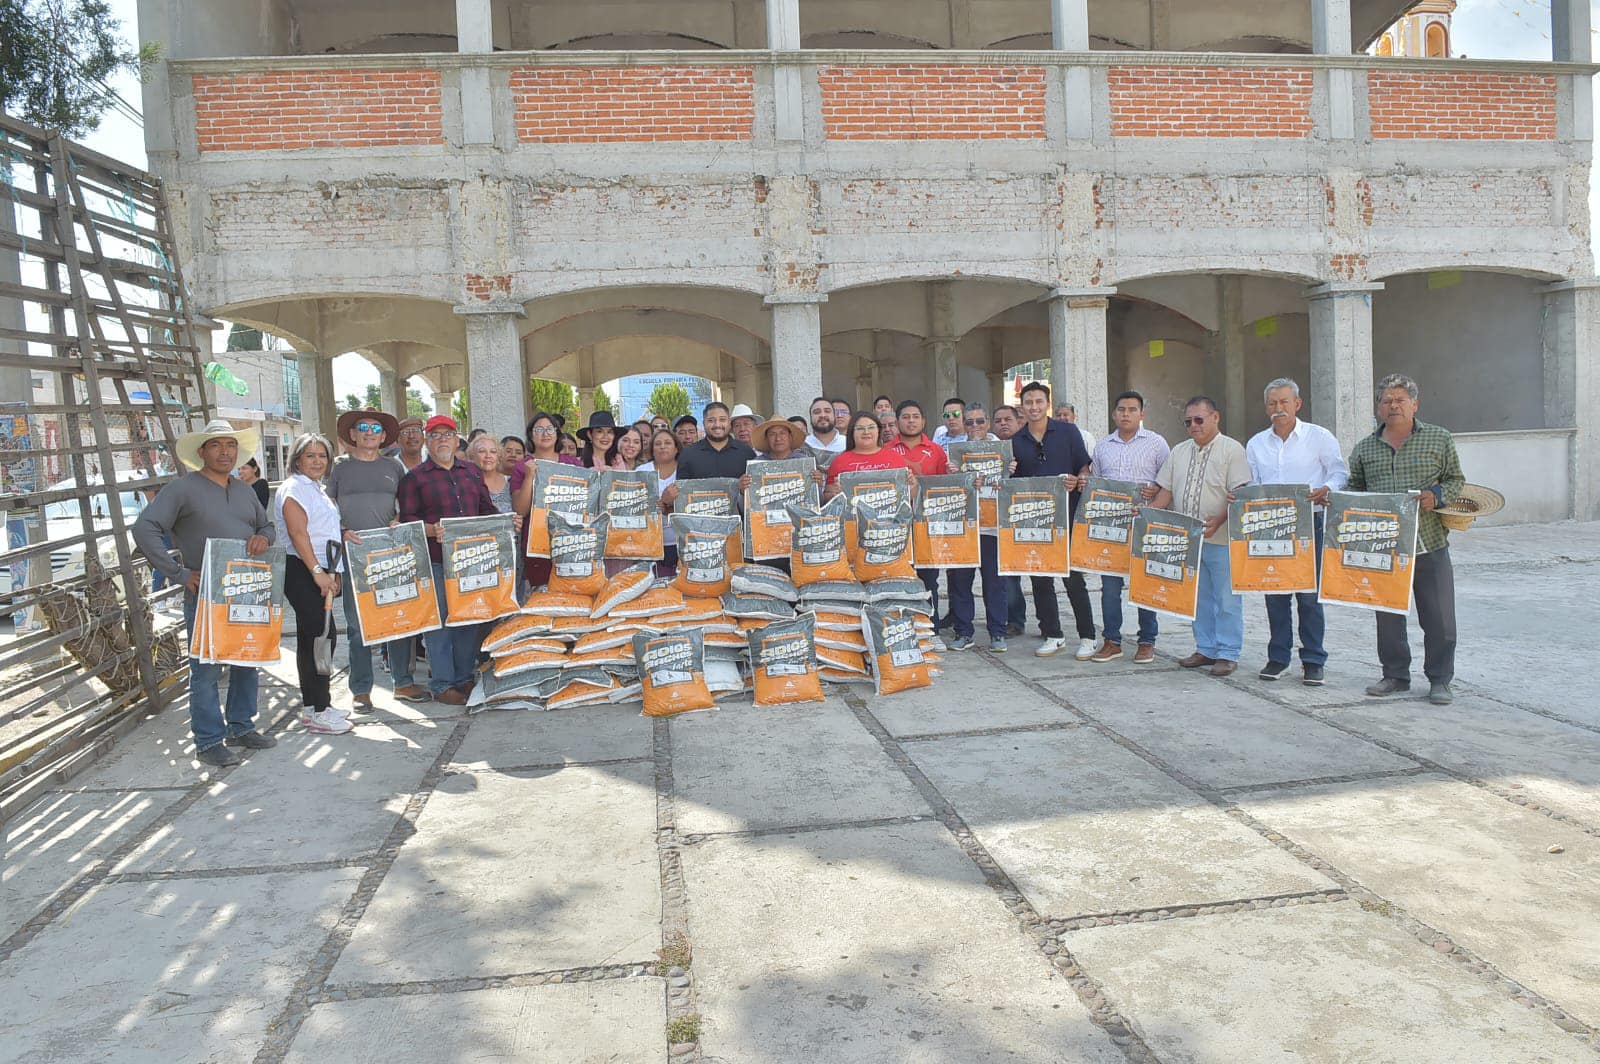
[98, 338]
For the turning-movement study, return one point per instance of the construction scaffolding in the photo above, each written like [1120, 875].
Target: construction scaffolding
[100, 373]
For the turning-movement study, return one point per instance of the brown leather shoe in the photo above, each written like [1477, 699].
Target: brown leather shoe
[1144, 655]
[413, 692]
[450, 696]
[361, 703]
[1195, 660]
[1224, 667]
[1108, 651]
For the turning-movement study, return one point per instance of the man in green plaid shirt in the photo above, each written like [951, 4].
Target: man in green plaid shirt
[1406, 454]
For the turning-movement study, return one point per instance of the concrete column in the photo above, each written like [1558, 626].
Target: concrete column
[1225, 372]
[783, 35]
[496, 386]
[474, 27]
[392, 392]
[939, 349]
[1078, 352]
[864, 391]
[1569, 32]
[1341, 359]
[747, 386]
[764, 381]
[442, 402]
[318, 409]
[475, 36]
[997, 390]
[1330, 35]
[1572, 383]
[1069, 32]
[796, 352]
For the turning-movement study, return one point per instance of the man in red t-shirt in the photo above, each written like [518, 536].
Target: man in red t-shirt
[926, 459]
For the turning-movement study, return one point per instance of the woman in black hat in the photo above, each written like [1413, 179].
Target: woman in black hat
[599, 438]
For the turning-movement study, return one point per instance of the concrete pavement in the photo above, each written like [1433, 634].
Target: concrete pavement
[1037, 860]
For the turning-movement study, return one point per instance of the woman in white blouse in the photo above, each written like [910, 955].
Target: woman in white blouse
[307, 522]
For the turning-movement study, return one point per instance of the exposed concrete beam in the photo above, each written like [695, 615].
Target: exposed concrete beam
[1570, 38]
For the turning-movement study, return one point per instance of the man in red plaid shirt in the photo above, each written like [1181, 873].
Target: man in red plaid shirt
[439, 487]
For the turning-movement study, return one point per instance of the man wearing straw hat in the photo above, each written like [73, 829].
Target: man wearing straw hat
[210, 503]
[1408, 454]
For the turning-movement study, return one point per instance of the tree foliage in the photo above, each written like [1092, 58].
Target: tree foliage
[552, 397]
[416, 405]
[602, 403]
[56, 57]
[670, 401]
[461, 410]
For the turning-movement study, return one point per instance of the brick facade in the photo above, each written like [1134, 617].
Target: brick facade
[1461, 106]
[1167, 101]
[592, 105]
[932, 102]
[286, 110]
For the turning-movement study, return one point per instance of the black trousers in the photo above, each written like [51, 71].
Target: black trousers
[1433, 589]
[306, 601]
[1049, 612]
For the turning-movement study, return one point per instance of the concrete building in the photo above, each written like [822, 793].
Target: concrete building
[800, 196]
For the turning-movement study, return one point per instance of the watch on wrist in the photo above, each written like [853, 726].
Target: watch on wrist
[318, 570]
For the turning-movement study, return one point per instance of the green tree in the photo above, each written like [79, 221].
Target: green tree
[670, 401]
[461, 410]
[55, 59]
[602, 403]
[240, 337]
[373, 401]
[416, 405]
[552, 397]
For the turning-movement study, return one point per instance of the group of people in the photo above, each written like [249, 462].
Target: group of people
[415, 470]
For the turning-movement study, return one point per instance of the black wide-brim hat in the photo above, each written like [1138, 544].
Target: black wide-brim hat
[600, 419]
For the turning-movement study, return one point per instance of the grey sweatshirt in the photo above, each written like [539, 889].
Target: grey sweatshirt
[191, 510]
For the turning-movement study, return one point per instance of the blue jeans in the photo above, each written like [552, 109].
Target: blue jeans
[1219, 613]
[1111, 613]
[1280, 620]
[401, 653]
[452, 652]
[930, 580]
[962, 607]
[206, 719]
[1016, 605]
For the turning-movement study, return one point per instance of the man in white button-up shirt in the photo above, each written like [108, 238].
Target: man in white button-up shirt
[1296, 452]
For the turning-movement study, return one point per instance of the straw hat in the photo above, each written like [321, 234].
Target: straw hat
[189, 443]
[741, 410]
[758, 436]
[1473, 502]
[345, 428]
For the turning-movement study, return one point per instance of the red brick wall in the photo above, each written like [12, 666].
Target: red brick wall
[590, 105]
[1160, 101]
[1461, 106]
[281, 110]
[932, 102]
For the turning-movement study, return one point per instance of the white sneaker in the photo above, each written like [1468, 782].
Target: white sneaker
[325, 721]
[1050, 646]
[1086, 649]
[937, 644]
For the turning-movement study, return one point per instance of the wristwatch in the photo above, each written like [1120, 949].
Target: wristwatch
[317, 570]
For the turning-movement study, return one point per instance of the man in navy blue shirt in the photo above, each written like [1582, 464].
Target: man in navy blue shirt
[1046, 447]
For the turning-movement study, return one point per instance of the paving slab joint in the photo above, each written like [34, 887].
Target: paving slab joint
[803, 829]
[1184, 912]
[1104, 1013]
[468, 984]
[675, 958]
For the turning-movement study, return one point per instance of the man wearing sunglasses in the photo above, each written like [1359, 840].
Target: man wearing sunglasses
[1046, 447]
[950, 422]
[1195, 480]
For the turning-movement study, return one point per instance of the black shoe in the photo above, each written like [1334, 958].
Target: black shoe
[218, 755]
[1273, 669]
[252, 740]
[1388, 686]
[1313, 676]
[1013, 630]
[1440, 695]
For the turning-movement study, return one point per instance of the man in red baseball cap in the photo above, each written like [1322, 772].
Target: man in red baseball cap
[442, 487]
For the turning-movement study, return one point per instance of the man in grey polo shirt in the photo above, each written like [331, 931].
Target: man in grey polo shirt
[209, 503]
[363, 484]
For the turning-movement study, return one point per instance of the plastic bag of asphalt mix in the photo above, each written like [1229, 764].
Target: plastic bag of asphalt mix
[570, 491]
[631, 498]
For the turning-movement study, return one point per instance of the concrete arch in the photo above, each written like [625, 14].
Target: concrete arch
[544, 346]
[626, 356]
[739, 308]
[863, 40]
[1193, 294]
[1512, 266]
[902, 304]
[334, 324]
[626, 41]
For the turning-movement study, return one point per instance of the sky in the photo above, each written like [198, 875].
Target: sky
[1481, 29]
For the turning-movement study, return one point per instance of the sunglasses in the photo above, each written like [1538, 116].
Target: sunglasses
[368, 426]
[951, 413]
[1194, 421]
[977, 421]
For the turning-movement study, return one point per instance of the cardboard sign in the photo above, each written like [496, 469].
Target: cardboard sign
[631, 499]
[1104, 529]
[239, 613]
[392, 579]
[1035, 527]
[990, 459]
[774, 484]
[1270, 539]
[480, 568]
[945, 522]
[570, 491]
[1369, 550]
[1165, 575]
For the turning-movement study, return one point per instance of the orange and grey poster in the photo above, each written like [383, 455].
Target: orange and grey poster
[392, 580]
[239, 614]
[1103, 530]
[1369, 550]
[1165, 574]
[991, 461]
[1270, 544]
[480, 568]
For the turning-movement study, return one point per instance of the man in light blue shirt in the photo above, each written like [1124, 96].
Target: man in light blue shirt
[1292, 451]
